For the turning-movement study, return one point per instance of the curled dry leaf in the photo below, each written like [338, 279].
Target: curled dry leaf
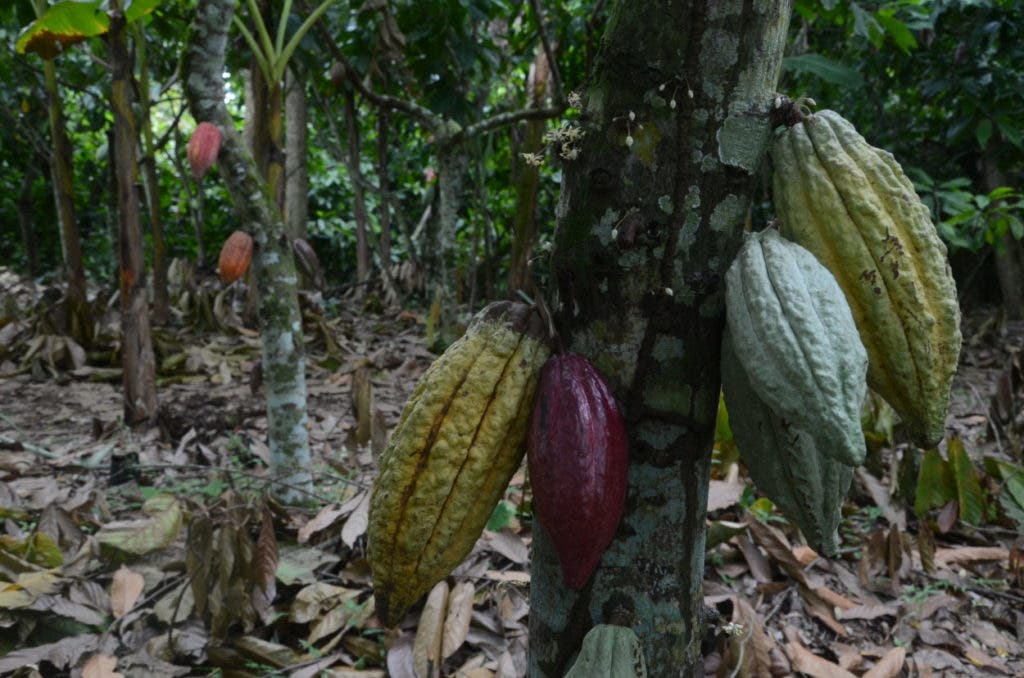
[426, 649]
[890, 666]
[101, 666]
[456, 624]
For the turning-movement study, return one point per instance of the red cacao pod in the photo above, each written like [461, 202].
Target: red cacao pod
[203, 147]
[235, 256]
[577, 453]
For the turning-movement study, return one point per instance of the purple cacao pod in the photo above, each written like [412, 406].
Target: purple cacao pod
[577, 453]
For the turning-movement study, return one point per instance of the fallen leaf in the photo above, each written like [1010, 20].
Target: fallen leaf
[355, 526]
[867, 612]
[125, 589]
[101, 666]
[889, 666]
[967, 554]
[723, 494]
[426, 648]
[456, 623]
[805, 661]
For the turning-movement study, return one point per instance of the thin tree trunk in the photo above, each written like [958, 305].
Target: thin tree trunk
[274, 266]
[524, 223]
[650, 217]
[63, 189]
[439, 253]
[383, 186]
[296, 191]
[1008, 254]
[137, 360]
[26, 221]
[161, 302]
[358, 199]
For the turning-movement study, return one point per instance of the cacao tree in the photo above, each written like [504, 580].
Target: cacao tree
[652, 209]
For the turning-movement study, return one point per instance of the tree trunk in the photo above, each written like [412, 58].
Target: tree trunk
[274, 266]
[651, 215]
[63, 190]
[383, 187]
[358, 199]
[439, 252]
[161, 302]
[26, 221]
[138, 363]
[524, 224]
[296, 190]
[1008, 254]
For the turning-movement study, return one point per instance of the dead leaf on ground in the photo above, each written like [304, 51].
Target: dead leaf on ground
[426, 649]
[890, 666]
[101, 666]
[125, 589]
[805, 661]
[968, 554]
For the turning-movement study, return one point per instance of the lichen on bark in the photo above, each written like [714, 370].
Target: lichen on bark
[274, 266]
[650, 215]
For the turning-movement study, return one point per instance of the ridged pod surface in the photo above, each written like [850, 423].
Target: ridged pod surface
[458, 441]
[853, 207]
[578, 457]
[609, 651]
[235, 257]
[203, 147]
[797, 341]
[807, 486]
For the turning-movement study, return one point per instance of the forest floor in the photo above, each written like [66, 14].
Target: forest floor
[158, 554]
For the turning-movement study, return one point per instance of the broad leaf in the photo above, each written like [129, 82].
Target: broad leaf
[968, 489]
[63, 25]
[824, 68]
[935, 485]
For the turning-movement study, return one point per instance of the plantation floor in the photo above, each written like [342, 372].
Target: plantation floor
[162, 557]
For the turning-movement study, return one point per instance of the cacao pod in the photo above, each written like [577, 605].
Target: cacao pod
[853, 207]
[577, 455]
[609, 651]
[458, 441]
[785, 462]
[797, 342]
[308, 262]
[235, 257]
[203, 147]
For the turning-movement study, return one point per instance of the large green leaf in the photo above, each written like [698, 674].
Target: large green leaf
[824, 68]
[935, 484]
[63, 25]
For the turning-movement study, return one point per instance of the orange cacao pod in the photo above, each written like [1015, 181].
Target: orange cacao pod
[235, 257]
[203, 147]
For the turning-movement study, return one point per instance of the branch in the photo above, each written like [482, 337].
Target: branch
[556, 76]
[507, 118]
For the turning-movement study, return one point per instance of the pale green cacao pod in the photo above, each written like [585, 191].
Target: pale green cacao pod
[797, 342]
[807, 486]
[609, 652]
[853, 207]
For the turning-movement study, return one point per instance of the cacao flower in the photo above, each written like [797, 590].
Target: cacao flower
[577, 454]
[203, 147]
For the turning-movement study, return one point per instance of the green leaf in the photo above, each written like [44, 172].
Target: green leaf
[935, 485]
[897, 30]
[61, 26]
[501, 516]
[1010, 132]
[1012, 478]
[983, 132]
[968, 489]
[824, 68]
[139, 8]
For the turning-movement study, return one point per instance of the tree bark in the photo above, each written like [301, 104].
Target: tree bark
[524, 225]
[296, 189]
[274, 265]
[383, 187]
[137, 360]
[161, 302]
[63, 189]
[26, 222]
[650, 216]
[358, 199]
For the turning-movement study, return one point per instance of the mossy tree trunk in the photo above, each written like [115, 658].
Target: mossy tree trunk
[137, 360]
[296, 120]
[274, 265]
[650, 217]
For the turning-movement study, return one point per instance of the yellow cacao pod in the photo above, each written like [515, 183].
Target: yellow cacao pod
[460, 438]
[852, 206]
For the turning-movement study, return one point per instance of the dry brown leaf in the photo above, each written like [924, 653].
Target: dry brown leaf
[426, 648]
[723, 494]
[355, 526]
[947, 516]
[805, 555]
[834, 599]
[320, 521]
[264, 571]
[509, 545]
[967, 554]
[867, 612]
[750, 650]
[101, 666]
[889, 666]
[805, 661]
[125, 589]
[759, 565]
[510, 576]
[399, 661]
[460, 612]
[817, 607]
[778, 549]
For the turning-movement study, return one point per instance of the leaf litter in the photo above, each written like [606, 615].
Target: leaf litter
[160, 554]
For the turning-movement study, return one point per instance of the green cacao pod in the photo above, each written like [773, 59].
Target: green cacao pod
[853, 207]
[797, 342]
[609, 652]
[458, 441]
[785, 463]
